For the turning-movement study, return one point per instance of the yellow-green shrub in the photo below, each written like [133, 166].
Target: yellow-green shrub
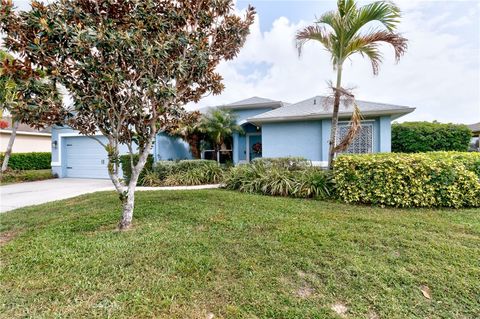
[436, 179]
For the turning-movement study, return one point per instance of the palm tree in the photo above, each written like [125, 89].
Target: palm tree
[343, 33]
[189, 128]
[219, 125]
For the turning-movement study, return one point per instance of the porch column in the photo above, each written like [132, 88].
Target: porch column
[326, 127]
[385, 144]
[235, 148]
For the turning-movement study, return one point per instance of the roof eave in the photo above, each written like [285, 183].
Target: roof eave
[274, 104]
[394, 113]
[3, 131]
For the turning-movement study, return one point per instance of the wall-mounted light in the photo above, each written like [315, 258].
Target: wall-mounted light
[54, 144]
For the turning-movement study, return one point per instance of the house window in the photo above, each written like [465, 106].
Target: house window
[362, 143]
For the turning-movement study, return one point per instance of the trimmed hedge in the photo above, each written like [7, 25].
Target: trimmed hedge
[127, 170]
[29, 161]
[437, 179]
[415, 137]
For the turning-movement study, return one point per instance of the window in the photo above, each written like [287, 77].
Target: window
[362, 143]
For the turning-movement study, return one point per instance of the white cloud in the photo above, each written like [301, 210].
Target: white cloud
[439, 74]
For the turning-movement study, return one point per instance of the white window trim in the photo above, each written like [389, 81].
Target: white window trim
[59, 145]
[248, 143]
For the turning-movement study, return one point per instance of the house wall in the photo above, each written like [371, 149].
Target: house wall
[25, 142]
[246, 113]
[299, 139]
[170, 148]
[310, 139]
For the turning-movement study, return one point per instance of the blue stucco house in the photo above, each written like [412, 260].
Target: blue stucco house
[271, 129]
[303, 129]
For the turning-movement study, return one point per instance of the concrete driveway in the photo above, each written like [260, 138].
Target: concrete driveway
[33, 193]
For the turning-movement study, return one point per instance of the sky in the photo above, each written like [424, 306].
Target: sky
[439, 74]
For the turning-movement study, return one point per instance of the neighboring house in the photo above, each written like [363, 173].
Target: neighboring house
[26, 140]
[272, 129]
[475, 141]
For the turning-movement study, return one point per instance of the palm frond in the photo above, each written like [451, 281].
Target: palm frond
[355, 126]
[368, 45]
[329, 18]
[346, 7]
[313, 32]
[385, 12]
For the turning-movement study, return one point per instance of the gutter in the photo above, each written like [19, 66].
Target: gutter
[9, 132]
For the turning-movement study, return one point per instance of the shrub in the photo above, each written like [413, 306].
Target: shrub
[149, 178]
[437, 179]
[203, 172]
[127, 170]
[25, 176]
[290, 163]
[277, 179]
[185, 172]
[164, 168]
[29, 161]
[414, 137]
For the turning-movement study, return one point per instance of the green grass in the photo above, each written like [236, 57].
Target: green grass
[191, 253]
[18, 176]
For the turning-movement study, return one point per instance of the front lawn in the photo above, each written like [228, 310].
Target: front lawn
[198, 254]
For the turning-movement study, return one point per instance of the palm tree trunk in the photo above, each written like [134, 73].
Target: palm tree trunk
[8, 151]
[336, 106]
[193, 141]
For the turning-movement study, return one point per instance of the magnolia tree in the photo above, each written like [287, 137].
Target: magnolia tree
[28, 97]
[128, 65]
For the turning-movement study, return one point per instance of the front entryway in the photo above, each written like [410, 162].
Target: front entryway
[254, 146]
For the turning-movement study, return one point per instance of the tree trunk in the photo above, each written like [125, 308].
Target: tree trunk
[128, 203]
[193, 141]
[128, 196]
[8, 151]
[336, 106]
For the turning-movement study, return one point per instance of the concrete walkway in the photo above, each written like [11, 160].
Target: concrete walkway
[14, 196]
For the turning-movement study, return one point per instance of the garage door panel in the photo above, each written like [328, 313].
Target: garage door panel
[85, 158]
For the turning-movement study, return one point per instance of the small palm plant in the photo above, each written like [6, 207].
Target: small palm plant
[343, 33]
[220, 125]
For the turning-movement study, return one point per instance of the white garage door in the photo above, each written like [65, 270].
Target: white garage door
[85, 157]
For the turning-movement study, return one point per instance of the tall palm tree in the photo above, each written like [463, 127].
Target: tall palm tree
[343, 33]
[220, 124]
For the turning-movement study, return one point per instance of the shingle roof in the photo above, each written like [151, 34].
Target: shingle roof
[475, 127]
[321, 107]
[254, 101]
